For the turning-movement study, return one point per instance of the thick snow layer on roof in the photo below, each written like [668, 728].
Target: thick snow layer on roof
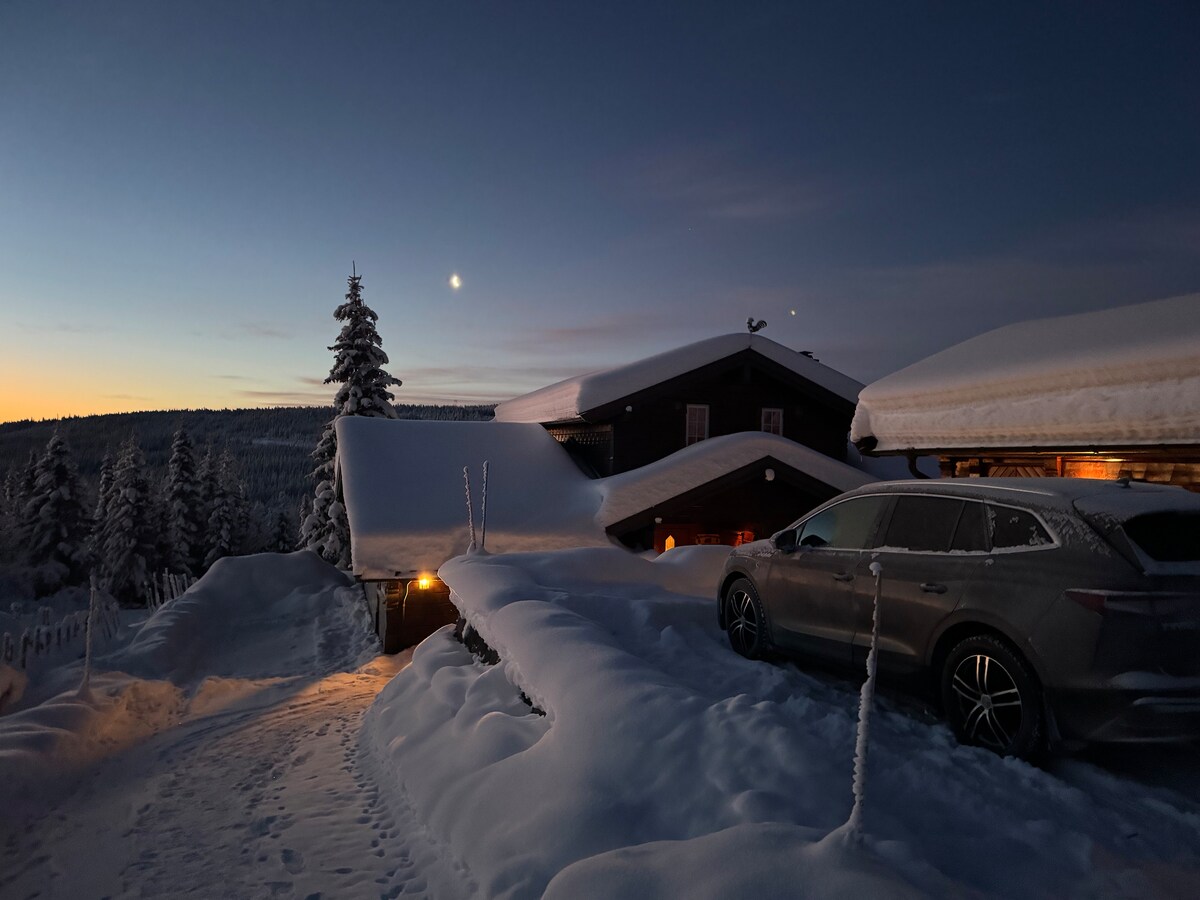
[631, 492]
[1118, 377]
[569, 399]
[406, 500]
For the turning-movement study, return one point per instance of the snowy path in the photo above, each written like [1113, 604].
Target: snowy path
[266, 799]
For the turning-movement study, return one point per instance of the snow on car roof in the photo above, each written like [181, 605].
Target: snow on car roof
[1128, 376]
[571, 398]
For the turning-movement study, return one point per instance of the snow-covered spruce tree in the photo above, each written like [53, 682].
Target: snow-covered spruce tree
[184, 527]
[127, 537]
[363, 391]
[58, 523]
[100, 516]
[26, 485]
[283, 533]
[10, 514]
[225, 520]
[209, 480]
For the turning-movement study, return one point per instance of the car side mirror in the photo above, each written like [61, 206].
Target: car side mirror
[785, 541]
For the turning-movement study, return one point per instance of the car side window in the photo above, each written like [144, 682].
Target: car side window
[1016, 528]
[971, 536]
[923, 523]
[847, 526]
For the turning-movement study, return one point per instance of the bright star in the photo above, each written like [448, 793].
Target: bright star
[455, 281]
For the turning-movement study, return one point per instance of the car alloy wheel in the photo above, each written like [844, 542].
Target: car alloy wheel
[744, 621]
[992, 697]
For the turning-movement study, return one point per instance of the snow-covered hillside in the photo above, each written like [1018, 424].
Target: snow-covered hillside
[247, 742]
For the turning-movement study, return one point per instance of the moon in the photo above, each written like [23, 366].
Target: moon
[455, 281]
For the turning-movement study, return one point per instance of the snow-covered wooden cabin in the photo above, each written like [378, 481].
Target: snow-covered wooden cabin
[669, 406]
[772, 447]
[1101, 395]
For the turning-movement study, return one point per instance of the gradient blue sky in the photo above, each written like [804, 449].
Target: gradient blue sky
[183, 185]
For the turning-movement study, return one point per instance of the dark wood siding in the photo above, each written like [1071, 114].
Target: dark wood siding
[651, 424]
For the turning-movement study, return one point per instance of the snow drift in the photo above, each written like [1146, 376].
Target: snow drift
[666, 766]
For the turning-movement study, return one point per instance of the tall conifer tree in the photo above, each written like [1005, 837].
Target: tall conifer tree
[127, 536]
[58, 523]
[363, 391]
[184, 527]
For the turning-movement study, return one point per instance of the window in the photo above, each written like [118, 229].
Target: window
[847, 526]
[1016, 528]
[923, 523]
[971, 536]
[1167, 536]
[772, 421]
[697, 423]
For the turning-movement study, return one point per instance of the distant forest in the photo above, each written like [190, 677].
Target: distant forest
[271, 446]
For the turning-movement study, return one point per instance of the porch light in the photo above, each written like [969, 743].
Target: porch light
[423, 583]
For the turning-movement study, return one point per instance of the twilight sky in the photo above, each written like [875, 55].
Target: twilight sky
[183, 185]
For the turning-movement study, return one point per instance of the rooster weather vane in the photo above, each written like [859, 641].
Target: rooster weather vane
[753, 326]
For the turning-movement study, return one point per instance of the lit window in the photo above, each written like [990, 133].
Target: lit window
[697, 423]
[772, 421]
[669, 543]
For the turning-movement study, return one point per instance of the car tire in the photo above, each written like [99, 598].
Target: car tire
[745, 622]
[992, 697]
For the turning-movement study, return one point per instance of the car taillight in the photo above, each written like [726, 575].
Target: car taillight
[1100, 601]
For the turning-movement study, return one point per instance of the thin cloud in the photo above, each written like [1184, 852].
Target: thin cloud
[287, 398]
[713, 183]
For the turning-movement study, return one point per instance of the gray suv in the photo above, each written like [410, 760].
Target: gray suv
[1046, 610]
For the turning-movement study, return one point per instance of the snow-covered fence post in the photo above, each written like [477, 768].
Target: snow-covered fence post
[46, 612]
[483, 509]
[85, 691]
[470, 511]
[7, 652]
[865, 700]
[26, 643]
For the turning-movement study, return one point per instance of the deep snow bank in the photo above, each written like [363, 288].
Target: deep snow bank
[249, 619]
[264, 616]
[666, 766]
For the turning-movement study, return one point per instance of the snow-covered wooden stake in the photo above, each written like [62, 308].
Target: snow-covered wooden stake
[470, 512]
[85, 690]
[865, 700]
[7, 654]
[483, 509]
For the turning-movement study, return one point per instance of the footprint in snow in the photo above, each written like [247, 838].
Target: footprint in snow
[293, 861]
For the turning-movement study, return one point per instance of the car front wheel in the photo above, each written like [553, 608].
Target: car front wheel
[745, 623]
[992, 697]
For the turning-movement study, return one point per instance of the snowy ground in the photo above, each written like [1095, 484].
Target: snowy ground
[247, 742]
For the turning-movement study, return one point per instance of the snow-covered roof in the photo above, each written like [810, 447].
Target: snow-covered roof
[406, 501]
[629, 493]
[1128, 376]
[569, 399]
[403, 486]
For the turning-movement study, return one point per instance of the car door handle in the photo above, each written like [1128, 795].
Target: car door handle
[929, 588]
[843, 576]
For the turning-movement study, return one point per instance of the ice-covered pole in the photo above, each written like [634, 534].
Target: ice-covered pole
[470, 512]
[483, 509]
[85, 690]
[865, 701]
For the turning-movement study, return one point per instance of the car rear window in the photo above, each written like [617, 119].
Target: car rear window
[1166, 536]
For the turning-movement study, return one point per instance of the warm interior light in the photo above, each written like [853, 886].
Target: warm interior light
[669, 543]
[423, 583]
